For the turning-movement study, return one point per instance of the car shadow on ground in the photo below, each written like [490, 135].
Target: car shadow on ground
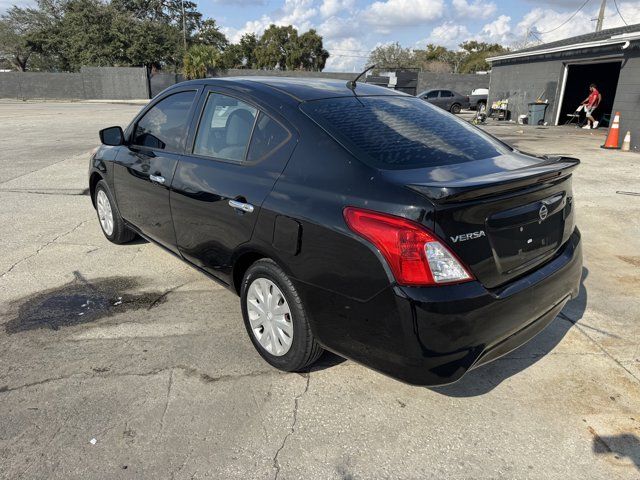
[485, 378]
[621, 446]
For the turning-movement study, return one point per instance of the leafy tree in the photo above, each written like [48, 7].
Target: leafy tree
[13, 43]
[432, 59]
[199, 61]
[391, 56]
[275, 46]
[475, 54]
[90, 32]
[241, 54]
[209, 34]
[232, 57]
[163, 11]
[283, 48]
[149, 43]
[311, 53]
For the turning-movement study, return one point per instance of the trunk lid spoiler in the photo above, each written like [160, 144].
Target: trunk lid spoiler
[546, 169]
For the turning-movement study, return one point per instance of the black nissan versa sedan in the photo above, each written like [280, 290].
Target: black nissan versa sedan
[348, 217]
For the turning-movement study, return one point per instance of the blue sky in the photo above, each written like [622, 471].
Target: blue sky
[351, 28]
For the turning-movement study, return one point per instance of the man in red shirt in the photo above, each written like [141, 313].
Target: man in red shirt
[590, 104]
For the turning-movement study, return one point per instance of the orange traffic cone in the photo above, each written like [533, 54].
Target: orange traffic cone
[613, 137]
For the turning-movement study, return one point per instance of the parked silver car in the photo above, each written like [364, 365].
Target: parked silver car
[446, 99]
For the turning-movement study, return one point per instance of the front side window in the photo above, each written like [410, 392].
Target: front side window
[164, 126]
[225, 128]
[401, 132]
[432, 94]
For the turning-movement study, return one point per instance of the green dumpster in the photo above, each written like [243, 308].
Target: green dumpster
[536, 113]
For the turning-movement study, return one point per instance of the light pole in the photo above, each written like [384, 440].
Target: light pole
[184, 27]
[603, 5]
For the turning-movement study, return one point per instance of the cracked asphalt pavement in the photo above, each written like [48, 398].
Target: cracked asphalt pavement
[122, 362]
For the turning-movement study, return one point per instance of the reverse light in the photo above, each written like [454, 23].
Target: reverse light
[414, 254]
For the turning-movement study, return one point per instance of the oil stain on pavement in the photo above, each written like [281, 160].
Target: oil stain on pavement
[79, 301]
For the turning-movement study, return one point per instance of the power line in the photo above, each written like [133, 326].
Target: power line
[618, 10]
[567, 20]
[348, 56]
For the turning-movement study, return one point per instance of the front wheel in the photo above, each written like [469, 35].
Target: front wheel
[111, 222]
[275, 318]
[456, 108]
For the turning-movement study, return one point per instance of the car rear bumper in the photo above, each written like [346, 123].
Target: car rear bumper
[434, 335]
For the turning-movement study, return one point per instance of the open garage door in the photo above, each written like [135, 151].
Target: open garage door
[579, 77]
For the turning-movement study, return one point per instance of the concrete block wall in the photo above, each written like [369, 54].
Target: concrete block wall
[426, 80]
[522, 83]
[122, 83]
[463, 84]
[627, 100]
[91, 83]
[241, 72]
[40, 85]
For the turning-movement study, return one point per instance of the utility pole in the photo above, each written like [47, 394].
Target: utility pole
[184, 27]
[601, 15]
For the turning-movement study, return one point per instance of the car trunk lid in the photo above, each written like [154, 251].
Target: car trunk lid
[502, 216]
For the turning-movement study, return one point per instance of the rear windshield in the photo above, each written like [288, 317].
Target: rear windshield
[401, 132]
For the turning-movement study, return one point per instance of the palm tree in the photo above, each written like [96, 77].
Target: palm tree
[199, 60]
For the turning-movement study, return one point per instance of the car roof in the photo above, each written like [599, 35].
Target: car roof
[300, 89]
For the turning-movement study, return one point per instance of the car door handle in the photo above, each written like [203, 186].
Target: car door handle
[245, 207]
[156, 179]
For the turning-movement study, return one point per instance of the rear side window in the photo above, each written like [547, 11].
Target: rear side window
[268, 136]
[164, 126]
[225, 128]
[446, 93]
[401, 132]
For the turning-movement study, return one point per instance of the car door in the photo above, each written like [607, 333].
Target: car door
[237, 153]
[446, 99]
[432, 97]
[144, 168]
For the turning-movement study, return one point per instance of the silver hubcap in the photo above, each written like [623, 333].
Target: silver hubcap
[269, 316]
[104, 212]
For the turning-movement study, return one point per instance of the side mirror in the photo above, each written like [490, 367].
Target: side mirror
[112, 136]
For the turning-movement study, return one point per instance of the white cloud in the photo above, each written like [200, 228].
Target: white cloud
[298, 13]
[550, 24]
[498, 31]
[449, 34]
[475, 8]
[389, 14]
[330, 8]
[337, 27]
[545, 23]
[346, 55]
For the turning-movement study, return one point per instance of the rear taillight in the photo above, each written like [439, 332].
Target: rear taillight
[415, 255]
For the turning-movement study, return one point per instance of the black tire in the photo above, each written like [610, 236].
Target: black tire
[455, 108]
[120, 234]
[304, 349]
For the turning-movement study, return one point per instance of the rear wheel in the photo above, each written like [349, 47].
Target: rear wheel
[275, 318]
[456, 108]
[111, 222]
